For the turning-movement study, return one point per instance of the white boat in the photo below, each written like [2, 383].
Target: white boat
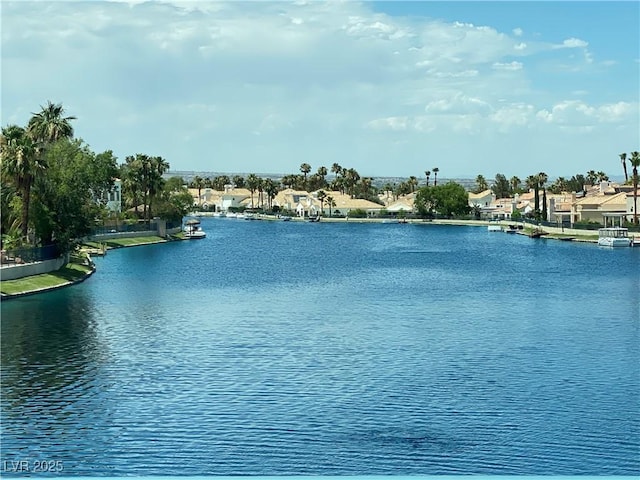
[219, 214]
[614, 237]
[192, 230]
[494, 228]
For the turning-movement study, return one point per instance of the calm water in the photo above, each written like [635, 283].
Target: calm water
[297, 348]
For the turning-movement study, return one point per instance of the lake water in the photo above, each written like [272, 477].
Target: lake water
[279, 348]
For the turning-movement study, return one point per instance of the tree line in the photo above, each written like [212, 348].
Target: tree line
[55, 189]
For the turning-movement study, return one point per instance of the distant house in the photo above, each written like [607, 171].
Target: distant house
[235, 198]
[114, 197]
[601, 208]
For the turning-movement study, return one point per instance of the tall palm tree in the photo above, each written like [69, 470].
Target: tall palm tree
[50, 124]
[322, 195]
[271, 189]
[542, 179]
[322, 173]
[158, 166]
[427, 174]
[592, 176]
[198, 182]
[336, 169]
[623, 159]
[21, 164]
[413, 181]
[305, 168]
[635, 163]
[330, 202]
[435, 171]
[515, 183]
[252, 184]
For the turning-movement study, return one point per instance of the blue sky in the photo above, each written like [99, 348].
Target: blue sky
[388, 88]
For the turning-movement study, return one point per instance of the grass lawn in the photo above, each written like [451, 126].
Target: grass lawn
[68, 273]
[132, 241]
[124, 242]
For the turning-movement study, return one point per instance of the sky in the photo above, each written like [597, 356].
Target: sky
[387, 88]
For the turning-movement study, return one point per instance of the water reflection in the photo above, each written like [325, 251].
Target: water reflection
[51, 361]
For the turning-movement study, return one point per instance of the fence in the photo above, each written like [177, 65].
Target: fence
[30, 254]
[574, 226]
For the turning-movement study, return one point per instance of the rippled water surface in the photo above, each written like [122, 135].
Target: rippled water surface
[294, 348]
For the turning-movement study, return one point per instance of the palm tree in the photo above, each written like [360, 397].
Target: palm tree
[305, 168]
[49, 125]
[413, 181]
[330, 202]
[157, 167]
[592, 177]
[198, 182]
[481, 184]
[21, 164]
[322, 173]
[602, 177]
[427, 174]
[515, 183]
[336, 169]
[623, 159]
[435, 171]
[542, 179]
[635, 163]
[351, 177]
[271, 189]
[252, 184]
[322, 195]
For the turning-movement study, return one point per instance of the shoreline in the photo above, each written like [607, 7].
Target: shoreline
[86, 250]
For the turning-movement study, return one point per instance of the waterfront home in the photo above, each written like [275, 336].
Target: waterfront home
[483, 199]
[602, 208]
[236, 198]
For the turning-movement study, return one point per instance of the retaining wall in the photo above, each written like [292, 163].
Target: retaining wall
[11, 272]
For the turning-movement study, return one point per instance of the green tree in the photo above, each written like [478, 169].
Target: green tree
[20, 164]
[435, 171]
[481, 184]
[501, 187]
[67, 200]
[623, 159]
[252, 184]
[427, 174]
[331, 203]
[198, 182]
[515, 183]
[238, 181]
[322, 195]
[635, 163]
[447, 200]
[271, 189]
[50, 125]
[305, 168]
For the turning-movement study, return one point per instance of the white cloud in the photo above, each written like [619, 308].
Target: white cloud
[511, 66]
[209, 83]
[573, 43]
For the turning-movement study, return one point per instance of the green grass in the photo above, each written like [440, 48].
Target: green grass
[132, 241]
[68, 273]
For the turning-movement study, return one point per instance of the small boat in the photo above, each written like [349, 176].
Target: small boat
[192, 230]
[614, 237]
[494, 228]
[285, 218]
[314, 219]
